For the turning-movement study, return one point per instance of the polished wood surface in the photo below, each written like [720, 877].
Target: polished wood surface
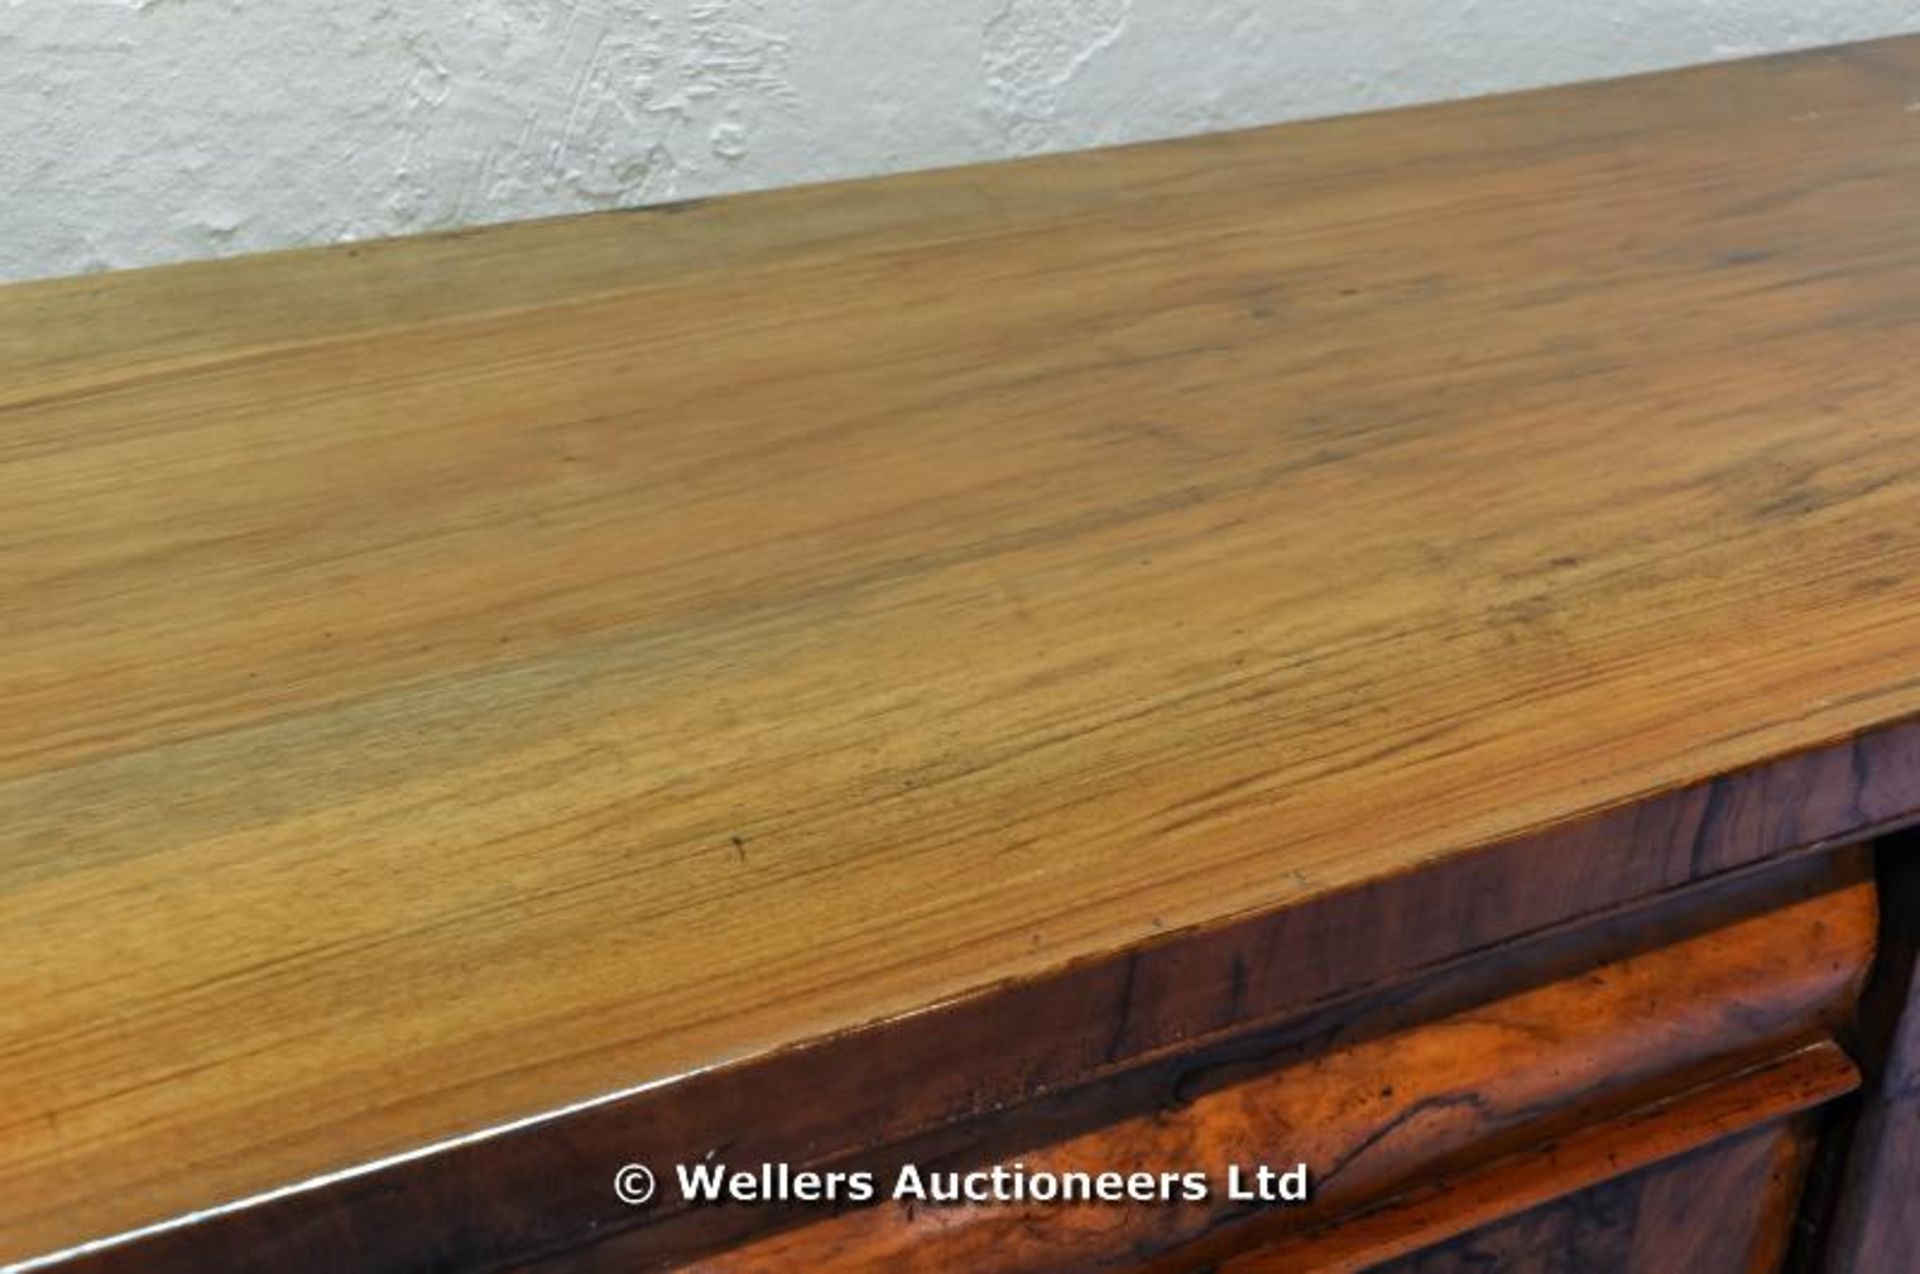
[448, 681]
[1389, 1111]
[1704, 1181]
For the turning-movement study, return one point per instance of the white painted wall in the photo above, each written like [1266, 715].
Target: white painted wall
[142, 131]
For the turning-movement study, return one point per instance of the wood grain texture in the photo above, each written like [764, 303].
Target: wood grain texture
[1874, 1227]
[465, 678]
[1703, 1181]
[1377, 1114]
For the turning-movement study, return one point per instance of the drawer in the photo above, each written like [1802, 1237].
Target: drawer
[1684, 1042]
[1705, 1181]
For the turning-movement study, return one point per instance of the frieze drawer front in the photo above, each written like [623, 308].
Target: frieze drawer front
[1602, 1049]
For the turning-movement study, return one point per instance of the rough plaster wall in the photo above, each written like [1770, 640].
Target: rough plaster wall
[142, 131]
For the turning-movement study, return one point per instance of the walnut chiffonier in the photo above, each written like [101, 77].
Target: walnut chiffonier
[1340, 696]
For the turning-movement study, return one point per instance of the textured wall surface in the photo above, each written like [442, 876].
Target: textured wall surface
[140, 131]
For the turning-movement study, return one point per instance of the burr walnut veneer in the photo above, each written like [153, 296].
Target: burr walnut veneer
[1392, 643]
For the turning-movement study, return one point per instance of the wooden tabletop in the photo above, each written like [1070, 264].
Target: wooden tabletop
[443, 681]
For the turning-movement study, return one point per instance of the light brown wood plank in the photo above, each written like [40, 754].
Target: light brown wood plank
[481, 675]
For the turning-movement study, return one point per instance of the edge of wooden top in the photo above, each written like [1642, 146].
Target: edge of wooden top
[540, 1185]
